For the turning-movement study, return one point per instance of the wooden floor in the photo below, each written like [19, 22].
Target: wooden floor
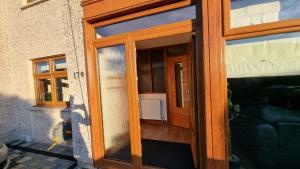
[165, 132]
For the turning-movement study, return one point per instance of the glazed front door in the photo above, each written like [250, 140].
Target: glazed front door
[179, 90]
[118, 102]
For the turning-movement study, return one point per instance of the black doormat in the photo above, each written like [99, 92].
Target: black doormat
[162, 154]
[167, 154]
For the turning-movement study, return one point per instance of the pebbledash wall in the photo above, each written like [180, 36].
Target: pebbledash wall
[42, 29]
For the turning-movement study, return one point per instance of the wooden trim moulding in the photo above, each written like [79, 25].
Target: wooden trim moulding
[138, 8]
[47, 57]
[144, 13]
[133, 108]
[151, 33]
[97, 142]
[88, 2]
[212, 87]
[263, 33]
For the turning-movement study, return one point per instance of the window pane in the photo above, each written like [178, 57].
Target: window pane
[158, 70]
[114, 102]
[43, 87]
[62, 89]
[264, 97]
[177, 50]
[179, 84]
[186, 13]
[144, 72]
[253, 12]
[60, 64]
[42, 67]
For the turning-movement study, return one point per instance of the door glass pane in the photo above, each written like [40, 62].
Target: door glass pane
[144, 72]
[43, 87]
[181, 14]
[264, 96]
[158, 70]
[42, 67]
[253, 12]
[179, 84]
[114, 102]
[60, 64]
[62, 89]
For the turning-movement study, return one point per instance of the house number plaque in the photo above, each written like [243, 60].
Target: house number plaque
[78, 75]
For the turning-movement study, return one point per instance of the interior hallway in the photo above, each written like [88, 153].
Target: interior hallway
[165, 132]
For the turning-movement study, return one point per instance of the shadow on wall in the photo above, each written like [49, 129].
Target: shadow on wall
[81, 132]
[19, 120]
[15, 118]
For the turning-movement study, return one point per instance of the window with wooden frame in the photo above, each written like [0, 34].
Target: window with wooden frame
[51, 81]
[249, 16]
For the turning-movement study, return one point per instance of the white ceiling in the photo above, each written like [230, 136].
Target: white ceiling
[164, 41]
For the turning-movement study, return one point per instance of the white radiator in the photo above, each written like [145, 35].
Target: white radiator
[151, 109]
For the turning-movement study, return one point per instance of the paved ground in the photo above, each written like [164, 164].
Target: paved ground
[58, 149]
[26, 160]
[35, 156]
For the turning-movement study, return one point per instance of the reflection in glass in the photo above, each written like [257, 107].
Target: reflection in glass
[114, 102]
[158, 71]
[181, 14]
[42, 67]
[62, 89]
[253, 12]
[264, 56]
[144, 71]
[60, 64]
[179, 84]
[264, 97]
[43, 87]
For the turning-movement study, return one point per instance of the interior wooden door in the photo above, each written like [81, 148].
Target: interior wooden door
[179, 90]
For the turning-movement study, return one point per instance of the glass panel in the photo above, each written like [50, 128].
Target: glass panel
[114, 102]
[62, 89]
[158, 71]
[177, 50]
[186, 13]
[60, 65]
[42, 67]
[253, 12]
[179, 84]
[43, 87]
[264, 97]
[144, 72]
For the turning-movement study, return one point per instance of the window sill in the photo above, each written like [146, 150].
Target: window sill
[31, 4]
[39, 108]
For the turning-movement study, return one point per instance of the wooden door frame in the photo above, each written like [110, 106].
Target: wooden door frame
[211, 87]
[211, 81]
[91, 43]
[94, 95]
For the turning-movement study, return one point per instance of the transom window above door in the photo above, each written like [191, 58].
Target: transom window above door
[51, 81]
[167, 17]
